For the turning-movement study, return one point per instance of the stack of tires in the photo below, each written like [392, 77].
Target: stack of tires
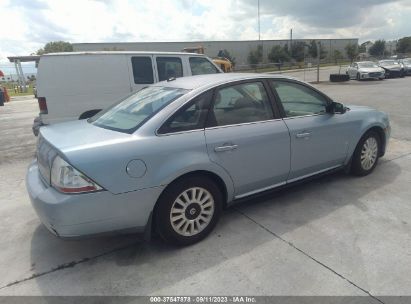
[339, 77]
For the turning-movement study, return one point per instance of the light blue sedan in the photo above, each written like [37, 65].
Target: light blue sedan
[170, 157]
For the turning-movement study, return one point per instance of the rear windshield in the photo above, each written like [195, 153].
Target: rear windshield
[132, 112]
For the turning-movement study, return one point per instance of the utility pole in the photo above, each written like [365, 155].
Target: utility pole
[259, 30]
[318, 60]
[291, 43]
[258, 14]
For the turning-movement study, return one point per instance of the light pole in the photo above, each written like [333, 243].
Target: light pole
[258, 15]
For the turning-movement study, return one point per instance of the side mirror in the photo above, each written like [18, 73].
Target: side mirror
[336, 108]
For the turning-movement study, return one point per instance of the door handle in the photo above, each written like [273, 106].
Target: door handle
[303, 134]
[225, 148]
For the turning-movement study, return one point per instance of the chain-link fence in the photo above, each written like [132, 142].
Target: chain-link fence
[308, 70]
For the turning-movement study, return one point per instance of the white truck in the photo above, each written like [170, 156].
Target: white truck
[77, 85]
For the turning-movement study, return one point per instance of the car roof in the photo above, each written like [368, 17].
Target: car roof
[121, 53]
[211, 80]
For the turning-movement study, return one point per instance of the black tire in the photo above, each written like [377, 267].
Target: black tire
[358, 77]
[167, 200]
[357, 167]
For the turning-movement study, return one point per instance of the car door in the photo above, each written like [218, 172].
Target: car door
[247, 139]
[142, 72]
[319, 140]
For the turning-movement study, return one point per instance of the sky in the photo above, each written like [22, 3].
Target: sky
[26, 25]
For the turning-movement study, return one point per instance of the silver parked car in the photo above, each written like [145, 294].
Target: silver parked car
[365, 70]
[406, 62]
[172, 155]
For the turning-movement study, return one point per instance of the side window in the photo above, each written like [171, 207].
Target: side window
[299, 100]
[201, 65]
[241, 103]
[169, 67]
[190, 117]
[142, 70]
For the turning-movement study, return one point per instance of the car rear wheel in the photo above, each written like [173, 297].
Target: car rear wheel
[188, 210]
[366, 154]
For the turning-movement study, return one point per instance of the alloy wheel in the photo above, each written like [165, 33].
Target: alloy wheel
[369, 153]
[192, 211]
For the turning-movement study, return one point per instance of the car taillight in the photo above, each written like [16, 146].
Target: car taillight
[65, 178]
[42, 105]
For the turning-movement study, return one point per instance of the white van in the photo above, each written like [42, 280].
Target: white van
[75, 85]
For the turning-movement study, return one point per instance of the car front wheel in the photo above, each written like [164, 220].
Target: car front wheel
[366, 154]
[188, 210]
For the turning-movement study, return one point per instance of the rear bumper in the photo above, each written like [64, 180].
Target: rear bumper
[81, 215]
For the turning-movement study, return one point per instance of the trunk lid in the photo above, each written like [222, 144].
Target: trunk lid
[79, 134]
[71, 136]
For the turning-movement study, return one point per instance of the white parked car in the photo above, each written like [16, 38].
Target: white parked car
[365, 70]
[77, 85]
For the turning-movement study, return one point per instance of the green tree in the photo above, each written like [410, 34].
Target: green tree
[255, 56]
[404, 45]
[56, 47]
[226, 54]
[337, 56]
[378, 48]
[351, 50]
[278, 54]
[297, 51]
[312, 50]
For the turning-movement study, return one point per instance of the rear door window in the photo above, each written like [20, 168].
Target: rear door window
[240, 103]
[142, 70]
[169, 67]
[191, 117]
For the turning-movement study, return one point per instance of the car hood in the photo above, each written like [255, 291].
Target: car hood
[80, 134]
[370, 70]
[391, 67]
